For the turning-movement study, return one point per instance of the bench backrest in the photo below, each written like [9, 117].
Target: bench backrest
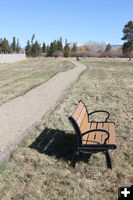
[79, 119]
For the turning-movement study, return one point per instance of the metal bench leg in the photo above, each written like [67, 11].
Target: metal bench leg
[74, 158]
[108, 160]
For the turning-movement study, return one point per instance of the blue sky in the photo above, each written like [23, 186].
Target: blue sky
[77, 20]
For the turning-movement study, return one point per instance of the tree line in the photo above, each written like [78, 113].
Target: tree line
[57, 49]
[6, 48]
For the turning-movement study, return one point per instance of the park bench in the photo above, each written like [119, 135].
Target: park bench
[92, 136]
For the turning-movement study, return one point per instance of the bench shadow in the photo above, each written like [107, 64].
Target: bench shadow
[58, 143]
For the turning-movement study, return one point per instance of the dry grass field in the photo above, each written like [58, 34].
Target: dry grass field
[39, 168]
[18, 78]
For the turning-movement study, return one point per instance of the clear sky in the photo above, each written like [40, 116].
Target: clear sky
[77, 20]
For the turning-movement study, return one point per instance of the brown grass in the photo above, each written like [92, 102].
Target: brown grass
[20, 77]
[39, 168]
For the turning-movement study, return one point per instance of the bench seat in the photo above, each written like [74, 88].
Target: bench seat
[99, 137]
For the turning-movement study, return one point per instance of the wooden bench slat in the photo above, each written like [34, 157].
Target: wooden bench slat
[104, 135]
[110, 128]
[85, 137]
[92, 135]
[81, 116]
[84, 124]
[89, 138]
[78, 111]
[112, 135]
[99, 134]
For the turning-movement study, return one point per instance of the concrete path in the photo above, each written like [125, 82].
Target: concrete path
[19, 115]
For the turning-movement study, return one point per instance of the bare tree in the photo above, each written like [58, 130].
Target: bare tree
[95, 46]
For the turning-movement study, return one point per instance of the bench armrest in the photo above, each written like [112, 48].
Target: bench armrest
[97, 130]
[100, 111]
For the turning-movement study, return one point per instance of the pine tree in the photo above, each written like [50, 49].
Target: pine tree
[0, 45]
[127, 48]
[18, 47]
[74, 48]
[66, 49]
[36, 49]
[44, 48]
[108, 47]
[13, 45]
[52, 48]
[59, 45]
[47, 48]
[128, 31]
[32, 39]
[128, 35]
[5, 48]
[28, 49]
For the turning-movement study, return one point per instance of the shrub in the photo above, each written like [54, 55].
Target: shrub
[58, 54]
[80, 54]
[112, 54]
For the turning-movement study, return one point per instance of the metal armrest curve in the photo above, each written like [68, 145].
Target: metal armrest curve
[97, 130]
[100, 111]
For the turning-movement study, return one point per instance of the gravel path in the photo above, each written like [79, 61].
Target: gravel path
[20, 115]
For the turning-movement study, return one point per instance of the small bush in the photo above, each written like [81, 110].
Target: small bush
[57, 54]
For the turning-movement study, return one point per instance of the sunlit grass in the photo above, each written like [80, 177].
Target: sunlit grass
[18, 78]
[39, 168]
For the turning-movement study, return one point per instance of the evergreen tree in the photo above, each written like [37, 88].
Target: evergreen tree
[5, 48]
[0, 45]
[13, 45]
[74, 48]
[52, 48]
[66, 49]
[33, 49]
[127, 48]
[128, 31]
[47, 48]
[36, 49]
[32, 39]
[18, 46]
[59, 45]
[54, 45]
[44, 48]
[28, 49]
[128, 35]
[108, 47]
